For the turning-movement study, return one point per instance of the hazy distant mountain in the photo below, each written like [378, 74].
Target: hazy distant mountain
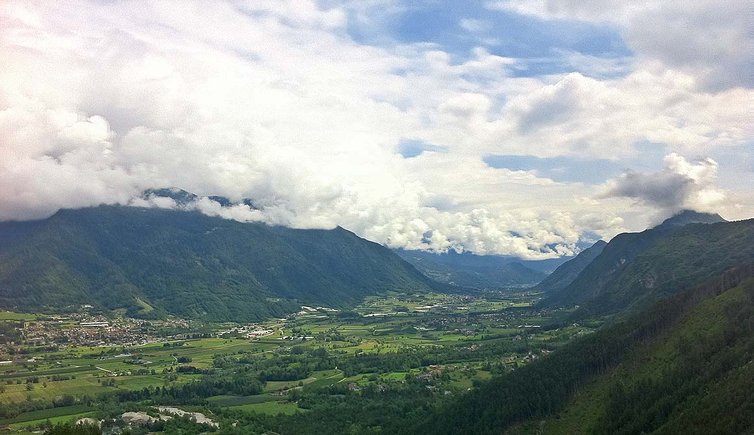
[570, 270]
[637, 268]
[156, 261]
[474, 271]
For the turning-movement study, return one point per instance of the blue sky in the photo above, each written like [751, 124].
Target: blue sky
[648, 158]
[502, 127]
[565, 169]
[458, 27]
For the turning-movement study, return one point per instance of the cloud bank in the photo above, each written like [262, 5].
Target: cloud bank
[280, 102]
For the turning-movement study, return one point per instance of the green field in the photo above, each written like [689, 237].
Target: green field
[272, 408]
[31, 425]
[9, 315]
[461, 338]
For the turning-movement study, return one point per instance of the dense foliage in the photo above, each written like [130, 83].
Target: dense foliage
[694, 387]
[73, 429]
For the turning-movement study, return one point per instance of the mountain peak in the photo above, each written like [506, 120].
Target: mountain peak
[180, 196]
[183, 197]
[686, 217]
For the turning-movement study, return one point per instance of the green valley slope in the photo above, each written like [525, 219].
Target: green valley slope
[682, 366]
[694, 375]
[155, 262]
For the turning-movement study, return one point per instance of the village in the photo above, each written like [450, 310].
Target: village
[83, 329]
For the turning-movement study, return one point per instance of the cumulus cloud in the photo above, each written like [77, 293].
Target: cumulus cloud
[680, 184]
[276, 102]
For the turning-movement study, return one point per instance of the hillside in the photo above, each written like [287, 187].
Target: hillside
[682, 366]
[476, 271]
[570, 270]
[635, 269]
[155, 261]
[693, 376]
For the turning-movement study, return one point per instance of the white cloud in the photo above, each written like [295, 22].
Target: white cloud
[607, 117]
[708, 40]
[473, 25]
[274, 101]
[680, 184]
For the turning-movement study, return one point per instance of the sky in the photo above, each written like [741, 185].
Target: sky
[515, 127]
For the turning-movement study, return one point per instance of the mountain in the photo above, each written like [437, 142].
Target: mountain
[676, 359]
[472, 271]
[155, 261]
[180, 196]
[568, 271]
[682, 366]
[635, 269]
[686, 217]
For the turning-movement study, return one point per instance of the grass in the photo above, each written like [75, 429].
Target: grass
[82, 363]
[47, 372]
[230, 401]
[10, 315]
[43, 414]
[440, 327]
[282, 385]
[271, 408]
[324, 378]
[82, 385]
[53, 420]
[145, 307]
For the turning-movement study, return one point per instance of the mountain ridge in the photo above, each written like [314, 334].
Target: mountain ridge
[670, 368]
[635, 268]
[566, 273]
[155, 261]
[685, 217]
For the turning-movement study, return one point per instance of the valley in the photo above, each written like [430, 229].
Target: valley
[384, 217]
[425, 347]
[257, 329]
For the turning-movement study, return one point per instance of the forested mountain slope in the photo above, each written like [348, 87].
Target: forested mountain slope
[682, 366]
[570, 270]
[156, 261]
[635, 269]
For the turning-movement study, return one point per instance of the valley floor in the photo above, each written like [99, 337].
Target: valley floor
[391, 351]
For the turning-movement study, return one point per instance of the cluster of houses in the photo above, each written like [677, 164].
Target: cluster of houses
[250, 331]
[86, 330]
